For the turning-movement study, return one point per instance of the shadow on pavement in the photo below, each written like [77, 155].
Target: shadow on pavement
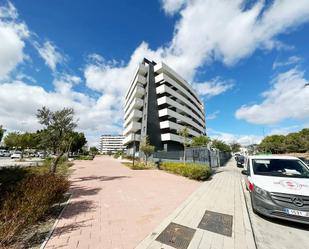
[286, 223]
[78, 207]
[83, 191]
[70, 228]
[99, 178]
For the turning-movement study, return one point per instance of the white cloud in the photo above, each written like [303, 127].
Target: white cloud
[49, 52]
[207, 30]
[213, 87]
[212, 115]
[290, 61]
[8, 11]
[287, 98]
[172, 6]
[12, 36]
[229, 137]
[17, 109]
[284, 130]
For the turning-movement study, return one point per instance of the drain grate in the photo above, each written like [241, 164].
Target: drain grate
[217, 223]
[177, 236]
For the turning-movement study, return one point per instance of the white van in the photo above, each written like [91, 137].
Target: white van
[279, 186]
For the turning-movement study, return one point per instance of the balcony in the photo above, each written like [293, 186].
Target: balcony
[130, 138]
[173, 137]
[135, 115]
[138, 92]
[137, 103]
[177, 127]
[132, 127]
[138, 79]
[142, 69]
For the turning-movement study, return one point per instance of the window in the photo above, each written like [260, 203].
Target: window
[280, 168]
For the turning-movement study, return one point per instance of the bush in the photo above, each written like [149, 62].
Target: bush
[128, 157]
[139, 165]
[83, 157]
[30, 200]
[118, 154]
[200, 172]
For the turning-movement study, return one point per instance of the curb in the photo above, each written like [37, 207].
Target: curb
[55, 224]
[247, 219]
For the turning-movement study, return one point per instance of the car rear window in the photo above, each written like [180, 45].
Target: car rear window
[280, 167]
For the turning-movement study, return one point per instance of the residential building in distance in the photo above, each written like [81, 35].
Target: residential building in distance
[158, 104]
[111, 143]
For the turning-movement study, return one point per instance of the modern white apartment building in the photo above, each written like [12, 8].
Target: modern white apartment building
[159, 103]
[111, 143]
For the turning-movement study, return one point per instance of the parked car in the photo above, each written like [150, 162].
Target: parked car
[6, 153]
[40, 154]
[16, 155]
[279, 187]
[236, 155]
[240, 160]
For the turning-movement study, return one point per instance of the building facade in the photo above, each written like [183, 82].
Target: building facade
[158, 104]
[111, 143]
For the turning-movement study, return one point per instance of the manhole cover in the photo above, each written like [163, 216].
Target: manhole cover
[217, 223]
[177, 236]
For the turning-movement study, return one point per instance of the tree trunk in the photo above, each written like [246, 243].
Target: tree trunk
[184, 155]
[21, 155]
[55, 162]
[146, 159]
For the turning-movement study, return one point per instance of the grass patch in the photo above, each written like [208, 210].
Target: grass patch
[200, 172]
[138, 165]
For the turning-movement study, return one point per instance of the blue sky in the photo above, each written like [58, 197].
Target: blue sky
[247, 59]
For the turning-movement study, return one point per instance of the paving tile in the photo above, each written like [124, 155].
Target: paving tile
[222, 195]
[115, 207]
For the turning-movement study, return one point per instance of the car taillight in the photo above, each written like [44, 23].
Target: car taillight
[250, 186]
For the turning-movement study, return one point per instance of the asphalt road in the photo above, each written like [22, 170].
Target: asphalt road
[275, 233]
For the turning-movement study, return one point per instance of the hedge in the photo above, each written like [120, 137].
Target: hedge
[200, 172]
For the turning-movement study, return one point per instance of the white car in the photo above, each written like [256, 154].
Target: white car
[16, 155]
[6, 153]
[279, 186]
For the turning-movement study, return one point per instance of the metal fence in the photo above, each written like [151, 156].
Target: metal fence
[212, 157]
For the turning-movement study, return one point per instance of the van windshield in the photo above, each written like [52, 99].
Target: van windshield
[280, 167]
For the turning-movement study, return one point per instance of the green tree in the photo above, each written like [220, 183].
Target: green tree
[200, 141]
[93, 150]
[59, 126]
[78, 141]
[184, 133]
[235, 147]
[274, 144]
[294, 143]
[21, 141]
[146, 148]
[304, 133]
[220, 145]
[11, 140]
[2, 130]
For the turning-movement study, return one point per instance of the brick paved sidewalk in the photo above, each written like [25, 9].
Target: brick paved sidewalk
[113, 206]
[222, 194]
